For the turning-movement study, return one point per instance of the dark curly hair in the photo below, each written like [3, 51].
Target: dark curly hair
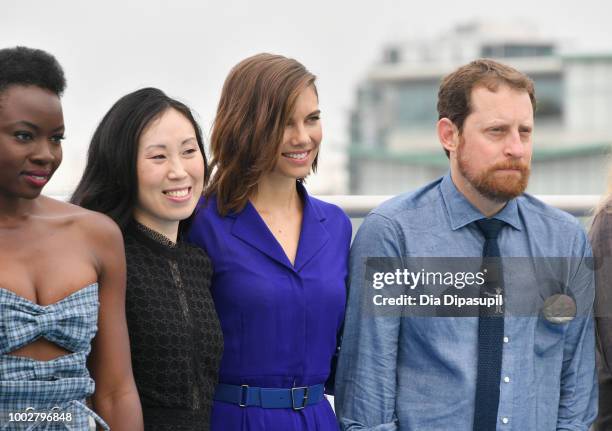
[27, 66]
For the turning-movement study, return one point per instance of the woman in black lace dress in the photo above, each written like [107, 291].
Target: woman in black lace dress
[146, 169]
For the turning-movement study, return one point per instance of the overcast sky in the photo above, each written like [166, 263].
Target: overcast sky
[113, 47]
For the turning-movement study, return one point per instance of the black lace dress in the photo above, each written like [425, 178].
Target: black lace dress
[175, 336]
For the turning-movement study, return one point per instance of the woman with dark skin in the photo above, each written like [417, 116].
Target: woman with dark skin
[58, 261]
[146, 169]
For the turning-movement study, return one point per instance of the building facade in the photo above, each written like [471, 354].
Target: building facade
[393, 143]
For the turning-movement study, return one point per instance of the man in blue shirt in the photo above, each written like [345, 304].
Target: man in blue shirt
[420, 373]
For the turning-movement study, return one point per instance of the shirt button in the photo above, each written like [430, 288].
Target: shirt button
[506, 339]
[507, 379]
[505, 420]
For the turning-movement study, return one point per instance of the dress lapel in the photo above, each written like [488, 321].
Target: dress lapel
[314, 235]
[250, 227]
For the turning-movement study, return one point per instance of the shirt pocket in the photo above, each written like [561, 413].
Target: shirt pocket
[548, 340]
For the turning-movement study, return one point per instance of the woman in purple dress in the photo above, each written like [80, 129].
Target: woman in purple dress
[279, 255]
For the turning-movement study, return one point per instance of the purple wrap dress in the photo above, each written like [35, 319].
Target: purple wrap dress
[280, 321]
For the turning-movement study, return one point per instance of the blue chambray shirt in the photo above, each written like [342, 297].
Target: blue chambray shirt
[419, 373]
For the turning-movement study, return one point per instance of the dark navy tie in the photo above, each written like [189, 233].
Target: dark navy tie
[490, 333]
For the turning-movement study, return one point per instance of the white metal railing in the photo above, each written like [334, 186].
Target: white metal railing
[357, 206]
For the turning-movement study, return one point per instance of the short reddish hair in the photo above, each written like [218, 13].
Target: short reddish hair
[454, 96]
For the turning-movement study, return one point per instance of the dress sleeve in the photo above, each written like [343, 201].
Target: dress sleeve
[331, 380]
[601, 242]
[199, 231]
[366, 377]
[578, 396]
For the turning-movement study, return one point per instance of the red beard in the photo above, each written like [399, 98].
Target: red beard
[492, 183]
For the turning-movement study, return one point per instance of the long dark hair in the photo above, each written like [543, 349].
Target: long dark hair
[109, 184]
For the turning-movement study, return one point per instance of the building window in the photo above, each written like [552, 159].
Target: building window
[509, 50]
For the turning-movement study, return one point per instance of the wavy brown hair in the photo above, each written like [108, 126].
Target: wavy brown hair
[257, 101]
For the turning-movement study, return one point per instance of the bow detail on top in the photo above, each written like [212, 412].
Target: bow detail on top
[70, 323]
[24, 369]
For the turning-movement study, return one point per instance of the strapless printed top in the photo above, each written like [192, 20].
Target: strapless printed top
[61, 384]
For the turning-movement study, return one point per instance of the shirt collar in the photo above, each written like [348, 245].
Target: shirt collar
[461, 212]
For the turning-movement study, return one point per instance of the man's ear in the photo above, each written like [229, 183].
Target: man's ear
[448, 134]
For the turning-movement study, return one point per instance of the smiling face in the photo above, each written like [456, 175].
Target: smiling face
[301, 138]
[493, 154]
[170, 170]
[31, 131]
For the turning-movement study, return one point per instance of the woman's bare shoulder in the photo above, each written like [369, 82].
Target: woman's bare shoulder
[91, 223]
